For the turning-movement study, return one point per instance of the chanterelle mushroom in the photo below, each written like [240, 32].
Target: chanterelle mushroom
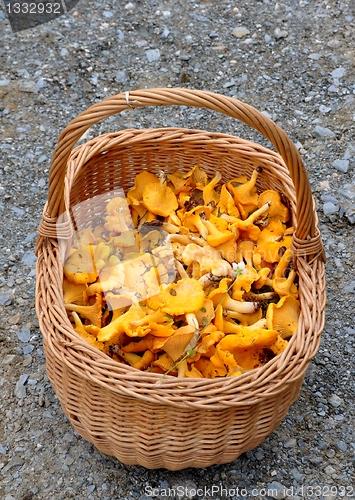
[185, 296]
[209, 258]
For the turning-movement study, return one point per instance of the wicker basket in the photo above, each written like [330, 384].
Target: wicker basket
[133, 415]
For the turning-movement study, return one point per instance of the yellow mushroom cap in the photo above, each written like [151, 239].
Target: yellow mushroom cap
[159, 199]
[283, 316]
[185, 296]
[277, 209]
[176, 344]
[135, 195]
[80, 265]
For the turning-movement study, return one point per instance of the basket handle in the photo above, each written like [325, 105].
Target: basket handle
[306, 239]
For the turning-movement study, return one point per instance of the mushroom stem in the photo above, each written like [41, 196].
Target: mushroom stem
[181, 270]
[192, 320]
[241, 307]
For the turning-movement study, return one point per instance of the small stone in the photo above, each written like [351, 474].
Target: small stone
[14, 462]
[240, 31]
[213, 34]
[329, 470]
[27, 349]
[328, 197]
[165, 32]
[342, 446]
[276, 490]
[11, 359]
[314, 56]
[341, 165]
[330, 209]
[122, 76]
[40, 84]
[290, 443]
[42, 158]
[130, 6]
[18, 211]
[15, 319]
[64, 52]
[29, 259]
[333, 88]
[330, 453]
[28, 360]
[24, 334]
[153, 55]
[29, 87]
[324, 109]
[47, 414]
[338, 72]
[107, 13]
[4, 83]
[280, 33]
[298, 476]
[322, 132]
[6, 298]
[316, 460]
[335, 401]
[2, 450]
[267, 38]
[20, 390]
[120, 35]
[69, 461]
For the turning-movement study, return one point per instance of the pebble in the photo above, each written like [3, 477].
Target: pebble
[20, 390]
[322, 132]
[11, 359]
[329, 208]
[240, 31]
[338, 72]
[27, 349]
[64, 52]
[279, 33]
[6, 298]
[329, 198]
[24, 334]
[342, 446]
[2, 450]
[290, 443]
[153, 55]
[341, 165]
[4, 83]
[335, 400]
[122, 76]
[324, 109]
[329, 470]
[14, 462]
[29, 258]
[314, 56]
[276, 490]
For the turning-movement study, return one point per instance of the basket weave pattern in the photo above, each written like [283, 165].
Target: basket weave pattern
[137, 416]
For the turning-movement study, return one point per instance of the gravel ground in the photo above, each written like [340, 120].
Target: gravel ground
[292, 59]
